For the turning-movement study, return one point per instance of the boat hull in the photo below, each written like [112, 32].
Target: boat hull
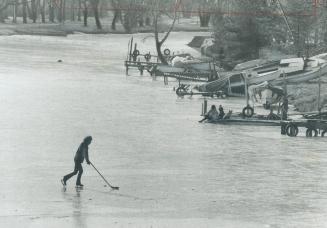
[247, 122]
[275, 79]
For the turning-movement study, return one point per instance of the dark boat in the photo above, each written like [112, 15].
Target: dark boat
[252, 121]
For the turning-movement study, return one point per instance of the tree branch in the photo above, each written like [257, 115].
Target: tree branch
[173, 24]
[5, 5]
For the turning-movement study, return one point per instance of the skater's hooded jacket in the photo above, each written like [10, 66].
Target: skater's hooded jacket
[82, 152]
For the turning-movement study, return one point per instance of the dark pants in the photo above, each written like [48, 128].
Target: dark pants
[77, 169]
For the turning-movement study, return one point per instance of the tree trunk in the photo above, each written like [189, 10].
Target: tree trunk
[79, 10]
[141, 21]
[160, 55]
[3, 11]
[159, 43]
[72, 11]
[34, 13]
[97, 19]
[125, 23]
[115, 19]
[85, 14]
[63, 10]
[14, 16]
[29, 11]
[147, 21]
[43, 11]
[95, 4]
[24, 11]
[60, 11]
[51, 11]
[204, 19]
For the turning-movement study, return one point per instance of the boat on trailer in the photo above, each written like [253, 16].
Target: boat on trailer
[296, 70]
[293, 70]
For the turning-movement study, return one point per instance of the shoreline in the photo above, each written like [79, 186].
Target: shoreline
[71, 27]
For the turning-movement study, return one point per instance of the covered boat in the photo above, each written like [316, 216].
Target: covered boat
[295, 70]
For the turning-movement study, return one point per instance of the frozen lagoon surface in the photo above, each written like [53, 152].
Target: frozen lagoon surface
[172, 171]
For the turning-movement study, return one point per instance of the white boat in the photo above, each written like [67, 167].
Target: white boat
[296, 70]
[302, 76]
[191, 64]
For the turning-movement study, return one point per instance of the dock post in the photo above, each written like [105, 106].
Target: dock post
[166, 80]
[319, 97]
[210, 76]
[246, 91]
[283, 128]
[126, 64]
[285, 99]
[205, 107]
[229, 91]
[202, 110]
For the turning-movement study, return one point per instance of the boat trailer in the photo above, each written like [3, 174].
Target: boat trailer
[314, 127]
[184, 90]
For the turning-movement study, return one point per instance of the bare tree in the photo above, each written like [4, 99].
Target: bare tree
[51, 10]
[129, 14]
[3, 6]
[42, 10]
[34, 10]
[157, 9]
[14, 9]
[59, 5]
[204, 11]
[72, 10]
[85, 12]
[95, 7]
[63, 8]
[117, 13]
[24, 11]
[79, 10]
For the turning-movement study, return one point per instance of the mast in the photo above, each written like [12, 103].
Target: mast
[319, 93]
[285, 18]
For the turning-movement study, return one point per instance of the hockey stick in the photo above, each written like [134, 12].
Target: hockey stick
[115, 188]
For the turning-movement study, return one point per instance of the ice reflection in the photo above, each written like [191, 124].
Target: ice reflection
[79, 219]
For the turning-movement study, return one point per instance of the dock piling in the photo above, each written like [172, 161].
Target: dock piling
[283, 128]
[166, 80]
[204, 107]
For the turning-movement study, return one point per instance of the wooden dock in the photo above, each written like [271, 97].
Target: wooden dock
[140, 66]
[152, 64]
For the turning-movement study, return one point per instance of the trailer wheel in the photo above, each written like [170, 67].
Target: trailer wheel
[248, 111]
[180, 91]
[323, 133]
[292, 130]
[147, 57]
[167, 51]
[136, 52]
[311, 132]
